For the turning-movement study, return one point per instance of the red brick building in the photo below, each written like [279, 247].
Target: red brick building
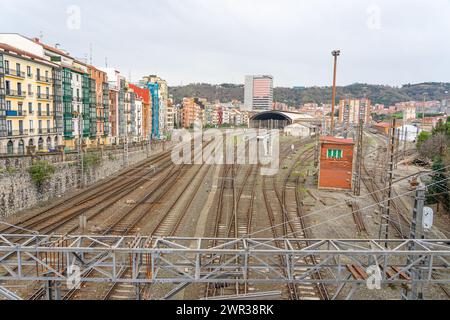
[336, 163]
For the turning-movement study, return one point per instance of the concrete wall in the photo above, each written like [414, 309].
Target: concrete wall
[18, 192]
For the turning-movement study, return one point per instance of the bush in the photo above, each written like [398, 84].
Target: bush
[91, 160]
[41, 172]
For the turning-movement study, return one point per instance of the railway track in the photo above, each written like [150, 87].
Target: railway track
[55, 216]
[167, 225]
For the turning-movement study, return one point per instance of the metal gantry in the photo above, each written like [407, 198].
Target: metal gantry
[220, 260]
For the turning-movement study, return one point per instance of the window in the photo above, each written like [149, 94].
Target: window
[48, 126]
[48, 109]
[334, 154]
[8, 105]
[28, 71]
[31, 126]
[30, 107]
[21, 126]
[39, 90]
[6, 66]
[18, 69]
[19, 89]
[30, 89]
[38, 73]
[39, 109]
[9, 126]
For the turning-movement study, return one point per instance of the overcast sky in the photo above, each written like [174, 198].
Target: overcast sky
[216, 41]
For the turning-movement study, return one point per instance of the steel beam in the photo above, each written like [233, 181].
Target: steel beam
[222, 260]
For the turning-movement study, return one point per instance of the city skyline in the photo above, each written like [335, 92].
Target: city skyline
[379, 40]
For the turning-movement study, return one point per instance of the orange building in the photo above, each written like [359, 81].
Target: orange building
[192, 111]
[336, 163]
[102, 102]
[384, 127]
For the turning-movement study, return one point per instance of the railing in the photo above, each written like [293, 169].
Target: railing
[16, 113]
[15, 133]
[15, 73]
[43, 79]
[45, 113]
[43, 96]
[15, 93]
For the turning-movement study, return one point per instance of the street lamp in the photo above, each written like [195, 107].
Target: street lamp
[335, 54]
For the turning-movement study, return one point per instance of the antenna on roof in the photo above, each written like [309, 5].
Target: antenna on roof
[41, 35]
[106, 62]
[90, 53]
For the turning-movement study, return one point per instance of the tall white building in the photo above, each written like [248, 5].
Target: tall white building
[258, 94]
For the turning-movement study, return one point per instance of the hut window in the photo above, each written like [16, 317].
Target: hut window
[334, 154]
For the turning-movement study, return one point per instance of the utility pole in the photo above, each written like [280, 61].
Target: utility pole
[416, 232]
[385, 216]
[397, 148]
[423, 111]
[317, 150]
[335, 54]
[359, 150]
[405, 137]
[125, 150]
[80, 152]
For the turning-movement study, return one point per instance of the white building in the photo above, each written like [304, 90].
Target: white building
[408, 133]
[138, 130]
[77, 102]
[298, 130]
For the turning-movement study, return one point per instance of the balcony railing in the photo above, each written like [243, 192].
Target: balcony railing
[15, 73]
[15, 93]
[16, 113]
[43, 79]
[43, 96]
[15, 133]
[45, 113]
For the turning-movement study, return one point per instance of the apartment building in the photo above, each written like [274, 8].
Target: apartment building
[100, 127]
[193, 112]
[28, 108]
[350, 111]
[258, 93]
[143, 94]
[118, 119]
[162, 116]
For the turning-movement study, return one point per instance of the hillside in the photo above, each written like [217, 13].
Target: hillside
[294, 97]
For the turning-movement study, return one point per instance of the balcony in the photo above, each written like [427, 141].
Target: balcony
[43, 96]
[15, 94]
[43, 79]
[45, 113]
[16, 113]
[17, 133]
[15, 73]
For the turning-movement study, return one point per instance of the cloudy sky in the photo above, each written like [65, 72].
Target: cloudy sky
[216, 41]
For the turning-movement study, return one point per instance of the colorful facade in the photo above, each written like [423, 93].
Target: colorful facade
[30, 114]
